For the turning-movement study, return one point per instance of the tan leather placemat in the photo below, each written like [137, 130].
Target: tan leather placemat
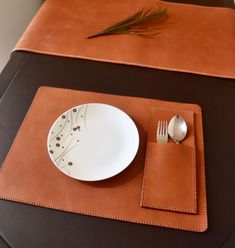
[29, 176]
[194, 39]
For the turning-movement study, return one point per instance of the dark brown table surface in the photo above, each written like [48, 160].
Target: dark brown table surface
[24, 225]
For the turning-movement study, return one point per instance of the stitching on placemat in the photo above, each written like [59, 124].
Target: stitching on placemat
[204, 190]
[203, 168]
[190, 228]
[170, 109]
[194, 179]
[145, 175]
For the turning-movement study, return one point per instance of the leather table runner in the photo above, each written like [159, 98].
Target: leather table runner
[194, 39]
[29, 176]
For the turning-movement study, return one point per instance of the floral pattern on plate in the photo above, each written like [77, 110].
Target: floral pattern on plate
[65, 136]
[93, 141]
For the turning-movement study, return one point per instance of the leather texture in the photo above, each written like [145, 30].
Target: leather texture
[33, 178]
[76, 230]
[194, 39]
[170, 169]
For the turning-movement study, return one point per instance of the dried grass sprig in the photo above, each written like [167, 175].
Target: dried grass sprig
[142, 23]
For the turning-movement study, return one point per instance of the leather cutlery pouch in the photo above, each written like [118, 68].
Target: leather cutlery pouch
[170, 169]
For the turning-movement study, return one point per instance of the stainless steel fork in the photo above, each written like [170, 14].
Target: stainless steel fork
[162, 134]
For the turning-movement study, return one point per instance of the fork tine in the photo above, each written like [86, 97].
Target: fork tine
[166, 131]
[158, 134]
[158, 128]
[161, 127]
[165, 127]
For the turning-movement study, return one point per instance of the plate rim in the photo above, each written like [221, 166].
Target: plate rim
[96, 103]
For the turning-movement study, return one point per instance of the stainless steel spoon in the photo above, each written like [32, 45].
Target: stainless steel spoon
[177, 128]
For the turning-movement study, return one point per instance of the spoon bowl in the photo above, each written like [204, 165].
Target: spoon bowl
[177, 128]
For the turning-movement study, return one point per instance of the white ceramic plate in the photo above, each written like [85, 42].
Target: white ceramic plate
[93, 141]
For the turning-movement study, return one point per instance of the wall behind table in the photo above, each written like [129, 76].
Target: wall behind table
[15, 15]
